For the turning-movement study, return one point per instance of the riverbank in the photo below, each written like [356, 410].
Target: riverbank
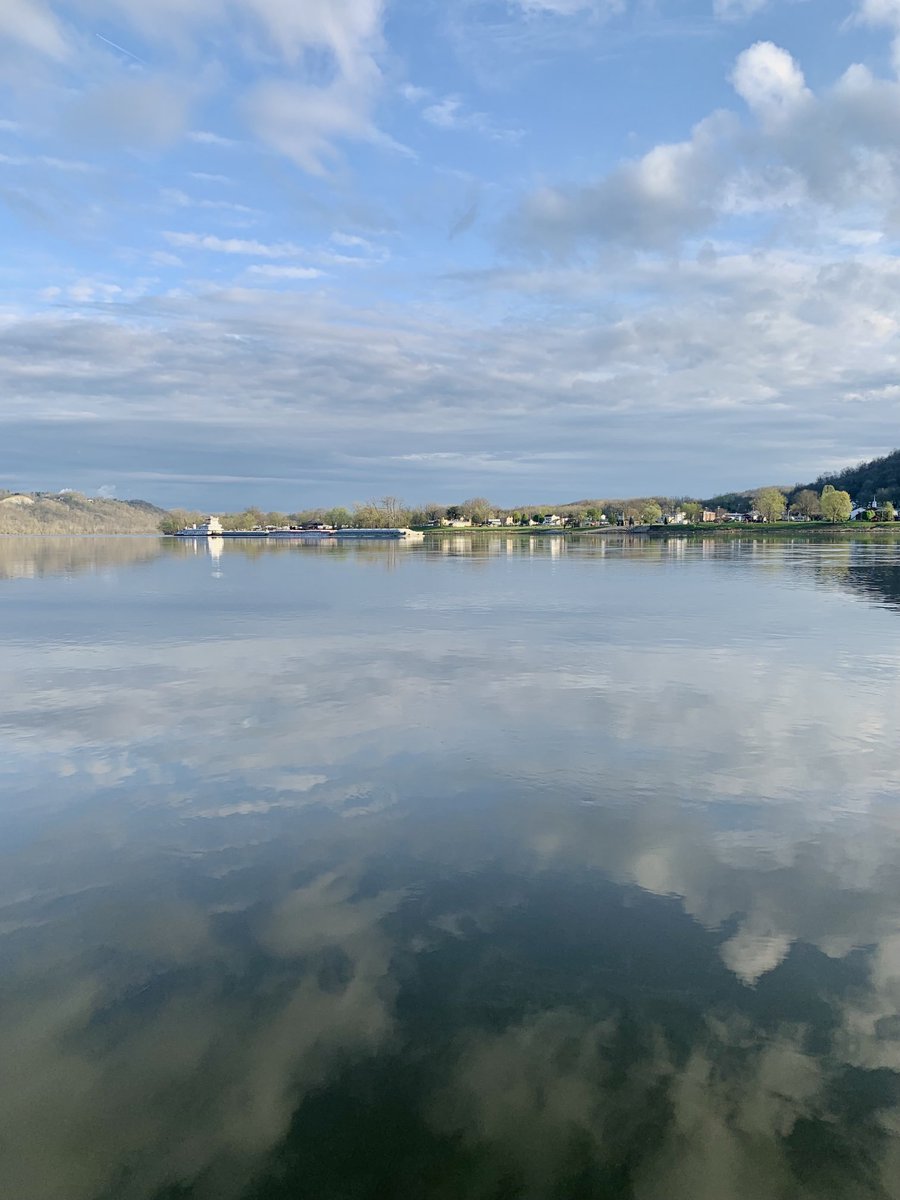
[748, 529]
[774, 528]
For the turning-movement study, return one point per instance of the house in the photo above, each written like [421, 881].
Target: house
[494, 522]
[707, 516]
[677, 518]
[552, 519]
[456, 523]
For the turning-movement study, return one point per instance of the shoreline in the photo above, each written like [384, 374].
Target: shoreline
[755, 529]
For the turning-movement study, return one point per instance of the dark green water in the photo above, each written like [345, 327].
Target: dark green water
[503, 868]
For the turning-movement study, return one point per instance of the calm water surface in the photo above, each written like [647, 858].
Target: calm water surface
[483, 869]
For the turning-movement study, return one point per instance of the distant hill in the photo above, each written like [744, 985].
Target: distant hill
[878, 478]
[71, 512]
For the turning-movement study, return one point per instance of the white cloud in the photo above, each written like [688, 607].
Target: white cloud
[712, 350]
[204, 137]
[144, 111]
[304, 122]
[179, 199]
[45, 160]
[651, 202]
[207, 241]
[267, 271]
[415, 95]
[89, 290]
[351, 239]
[287, 50]
[737, 10]
[770, 81]
[163, 258]
[880, 13]
[31, 24]
[570, 8]
[807, 158]
[451, 113]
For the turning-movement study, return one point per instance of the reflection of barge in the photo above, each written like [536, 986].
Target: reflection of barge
[212, 527]
[400, 533]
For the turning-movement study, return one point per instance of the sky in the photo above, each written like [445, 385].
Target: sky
[299, 252]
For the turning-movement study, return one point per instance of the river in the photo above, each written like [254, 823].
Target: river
[490, 867]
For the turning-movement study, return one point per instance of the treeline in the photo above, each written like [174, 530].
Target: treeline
[390, 512]
[387, 513]
[878, 479]
[768, 504]
[72, 513]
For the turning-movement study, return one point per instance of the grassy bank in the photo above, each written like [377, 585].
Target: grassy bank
[782, 528]
[754, 529]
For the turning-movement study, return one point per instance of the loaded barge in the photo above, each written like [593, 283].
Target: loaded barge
[212, 527]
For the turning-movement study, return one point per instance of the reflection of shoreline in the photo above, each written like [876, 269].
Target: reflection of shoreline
[867, 569]
[28, 556]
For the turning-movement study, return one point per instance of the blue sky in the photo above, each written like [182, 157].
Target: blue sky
[301, 251]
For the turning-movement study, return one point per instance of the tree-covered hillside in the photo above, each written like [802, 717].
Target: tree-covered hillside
[71, 512]
[878, 478]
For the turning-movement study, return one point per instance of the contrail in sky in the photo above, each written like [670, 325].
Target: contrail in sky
[116, 46]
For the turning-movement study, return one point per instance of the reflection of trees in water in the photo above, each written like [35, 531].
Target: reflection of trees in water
[32, 557]
[868, 570]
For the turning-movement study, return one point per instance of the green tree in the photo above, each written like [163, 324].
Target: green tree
[651, 513]
[886, 511]
[692, 510]
[770, 504]
[339, 518]
[178, 518]
[836, 506]
[806, 504]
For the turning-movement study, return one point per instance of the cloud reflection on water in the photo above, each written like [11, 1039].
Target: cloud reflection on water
[596, 856]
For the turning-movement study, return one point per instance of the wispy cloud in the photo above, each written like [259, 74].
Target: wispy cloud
[204, 137]
[179, 199]
[219, 245]
[45, 160]
[208, 177]
[738, 10]
[451, 113]
[267, 271]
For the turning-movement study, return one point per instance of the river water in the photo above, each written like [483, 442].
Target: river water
[484, 868]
